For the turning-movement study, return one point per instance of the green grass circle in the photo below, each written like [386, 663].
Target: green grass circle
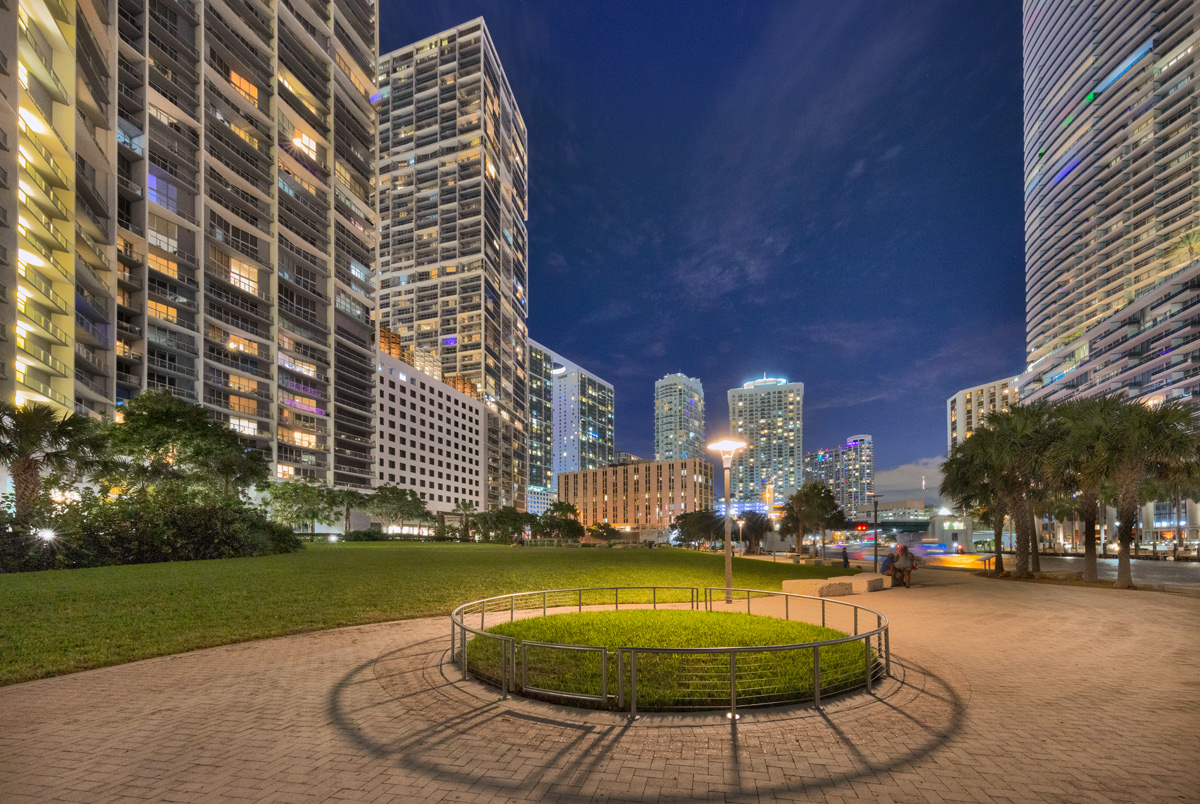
[674, 681]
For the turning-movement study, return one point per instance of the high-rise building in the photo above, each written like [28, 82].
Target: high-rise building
[197, 215]
[855, 475]
[541, 416]
[581, 411]
[1110, 171]
[966, 410]
[429, 437]
[58, 152]
[639, 496]
[821, 467]
[767, 415]
[453, 253]
[678, 418]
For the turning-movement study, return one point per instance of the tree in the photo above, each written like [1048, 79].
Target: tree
[1141, 443]
[755, 527]
[813, 509]
[301, 503]
[604, 532]
[560, 520]
[486, 522]
[393, 506]
[973, 477]
[465, 510]
[346, 500]
[38, 445]
[162, 437]
[510, 523]
[699, 526]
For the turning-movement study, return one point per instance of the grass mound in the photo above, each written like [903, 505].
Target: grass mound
[674, 681]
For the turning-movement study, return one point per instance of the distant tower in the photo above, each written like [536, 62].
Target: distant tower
[581, 423]
[767, 415]
[678, 418]
[855, 482]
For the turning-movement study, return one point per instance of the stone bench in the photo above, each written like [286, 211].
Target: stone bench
[819, 587]
[867, 582]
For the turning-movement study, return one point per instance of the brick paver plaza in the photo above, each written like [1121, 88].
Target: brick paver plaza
[1004, 692]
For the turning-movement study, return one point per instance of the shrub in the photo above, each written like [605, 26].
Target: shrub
[367, 535]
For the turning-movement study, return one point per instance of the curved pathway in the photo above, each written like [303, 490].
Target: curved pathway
[1003, 692]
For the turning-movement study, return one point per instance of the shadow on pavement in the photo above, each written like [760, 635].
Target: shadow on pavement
[479, 746]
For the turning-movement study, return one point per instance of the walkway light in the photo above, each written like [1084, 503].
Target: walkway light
[727, 448]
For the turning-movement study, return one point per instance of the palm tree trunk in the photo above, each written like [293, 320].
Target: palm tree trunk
[1035, 542]
[27, 486]
[1089, 539]
[1021, 521]
[997, 536]
[1127, 514]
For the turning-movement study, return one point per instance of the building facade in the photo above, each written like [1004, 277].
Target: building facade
[429, 437]
[620, 457]
[855, 485]
[1110, 170]
[583, 423]
[639, 496]
[767, 415]
[966, 410]
[205, 196]
[453, 251]
[541, 429]
[678, 418]
[821, 467]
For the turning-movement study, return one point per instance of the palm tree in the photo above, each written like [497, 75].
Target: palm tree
[1141, 443]
[346, 500]
[36, 444]
[755, 527]
[973, 477]
[1073, 462]
[465, 511]
[1186, 246]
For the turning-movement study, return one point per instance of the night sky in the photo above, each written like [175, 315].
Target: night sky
[827, 192]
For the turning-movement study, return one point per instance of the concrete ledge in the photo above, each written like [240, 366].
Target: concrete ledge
[819, 587]
[867, 582]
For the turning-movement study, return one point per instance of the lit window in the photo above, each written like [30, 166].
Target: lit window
[306, 143]
[164, 311]
[243, 426]
[242, 85]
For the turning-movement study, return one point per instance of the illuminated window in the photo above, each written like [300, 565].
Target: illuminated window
[163, 265]
[243, 426]
[242, 85]
[242, 344]
[244, 275]
[164, 311]
[306, 143]
[285, 472]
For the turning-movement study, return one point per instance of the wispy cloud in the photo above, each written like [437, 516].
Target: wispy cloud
[904, 482]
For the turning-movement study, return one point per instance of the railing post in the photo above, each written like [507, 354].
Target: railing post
[543, 604]
[512, 608]
[856, 621]
[817, 676]
[733, 684]
[524, 665]
[617, 598]
[620, 679]
[654, 596]
[787, 599]
[482, 614]
[747, 602]
[822, 612]
[581, 600]
[504, 670]
[867, 660]
[604, 675]
[463, 630]
[887, 652]
[633, 684]
[453, 634]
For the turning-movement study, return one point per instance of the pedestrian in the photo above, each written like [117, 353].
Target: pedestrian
[903, 568]
[888, 568]
[845, 558]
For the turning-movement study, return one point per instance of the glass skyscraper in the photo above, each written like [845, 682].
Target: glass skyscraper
[767, 415]
[678, 418]
[453, 253]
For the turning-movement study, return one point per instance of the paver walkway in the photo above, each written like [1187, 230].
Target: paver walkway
[1005, 692]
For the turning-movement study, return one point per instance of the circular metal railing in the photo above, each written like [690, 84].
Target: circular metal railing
[697, 678]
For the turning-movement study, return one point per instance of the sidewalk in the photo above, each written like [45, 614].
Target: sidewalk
[1005, 692]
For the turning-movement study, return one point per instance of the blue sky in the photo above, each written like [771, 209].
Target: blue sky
[828, 192]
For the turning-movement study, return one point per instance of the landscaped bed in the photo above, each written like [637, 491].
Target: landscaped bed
[673, 681]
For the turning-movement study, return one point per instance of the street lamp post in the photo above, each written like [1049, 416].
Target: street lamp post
[727, 448]
[875, 500]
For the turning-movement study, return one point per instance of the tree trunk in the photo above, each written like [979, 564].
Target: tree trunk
[27, 486]
[1127, 514]
[1035, 542]
[1021, 522]
[1089, 539]
[997, 537]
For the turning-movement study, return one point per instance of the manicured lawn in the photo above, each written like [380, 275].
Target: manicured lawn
[675, 681]
[68, 620]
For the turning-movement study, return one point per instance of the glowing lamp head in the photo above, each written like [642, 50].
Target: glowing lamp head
[333, 537]
[46, 535]
[727, 448]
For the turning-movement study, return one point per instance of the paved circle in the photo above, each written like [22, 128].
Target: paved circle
[1004, 692]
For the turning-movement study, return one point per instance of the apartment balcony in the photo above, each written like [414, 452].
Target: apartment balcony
[154, 383]
[229, 359]
[239, 302]
[261, 390]
[165, 339]
[37, 355]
